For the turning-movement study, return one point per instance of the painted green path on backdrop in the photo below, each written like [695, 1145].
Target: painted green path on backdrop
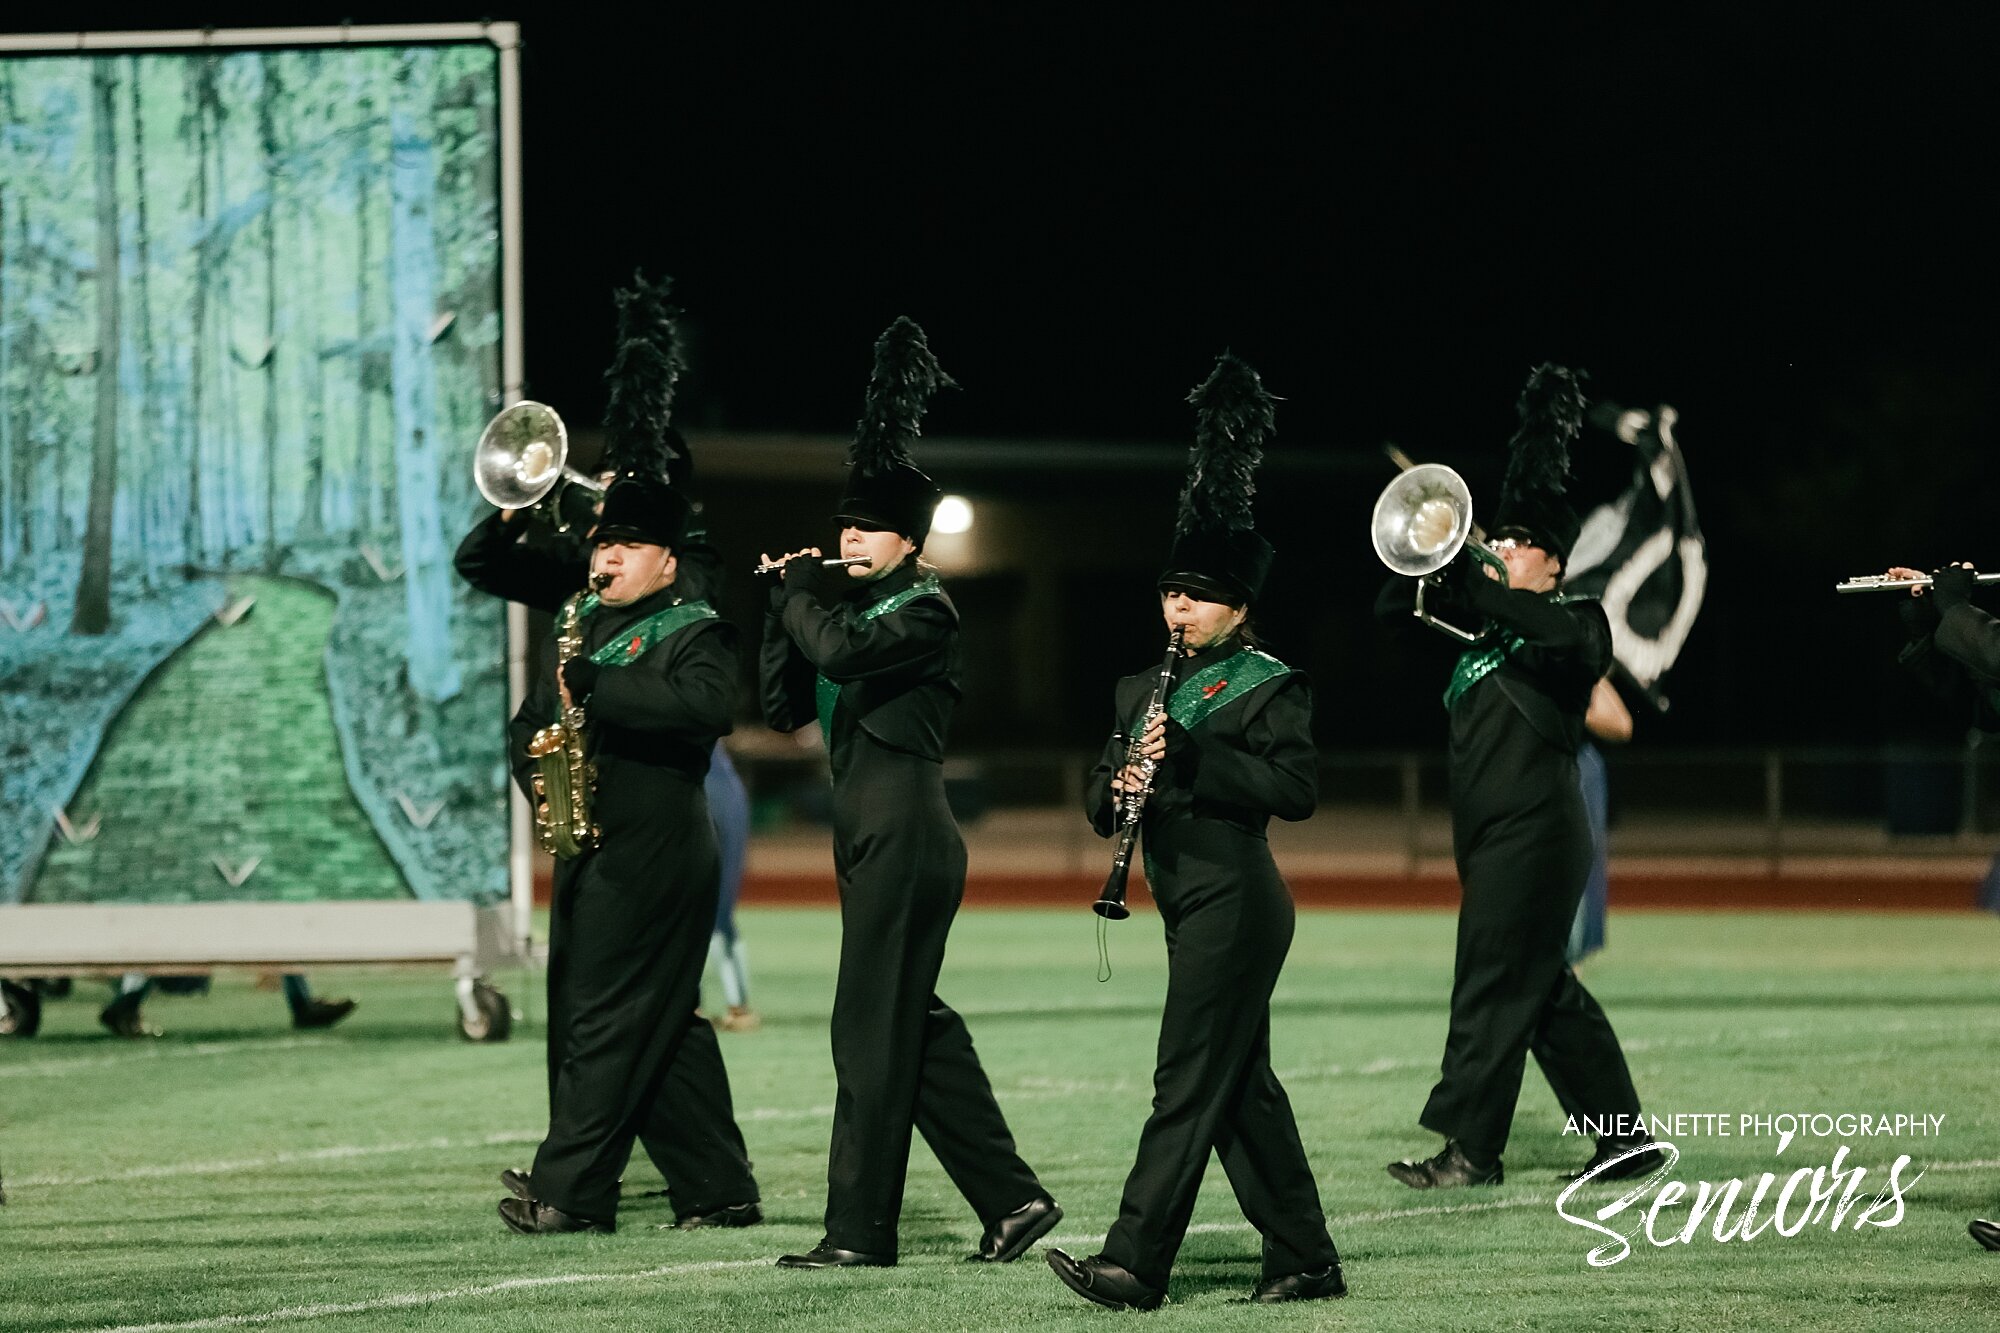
[227, 754]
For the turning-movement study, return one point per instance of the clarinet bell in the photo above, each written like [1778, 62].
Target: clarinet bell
[1110, 904]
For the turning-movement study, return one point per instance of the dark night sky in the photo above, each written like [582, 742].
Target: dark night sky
[1781, 223]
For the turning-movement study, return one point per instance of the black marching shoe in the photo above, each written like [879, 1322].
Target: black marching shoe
[734, 1215]
[122, 1017]
[532, 1217]
[1641, 1163]
[1323, 1285]
[1109, 1285]
[321, 1013]
[1010, 1236]
[1450, 1169]
[1985, 1232]
[828, 1255]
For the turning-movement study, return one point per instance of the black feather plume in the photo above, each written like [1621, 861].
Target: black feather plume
[1551, 409]
[1233, 418]
[645, 369]
[899, 389]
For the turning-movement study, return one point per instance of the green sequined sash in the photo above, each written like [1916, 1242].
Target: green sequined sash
[630, 646]
[1475, 664]
[826, 693]
[1219, 684]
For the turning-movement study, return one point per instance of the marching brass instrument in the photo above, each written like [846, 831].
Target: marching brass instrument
[1110, 903]
[1422, 521]
[1883, 583]
[522, 462]
[565, 779]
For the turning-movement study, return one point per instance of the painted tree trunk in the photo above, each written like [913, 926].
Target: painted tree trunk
[231, 500]
[364, 519]
[8, 538]
[24, 415]
[433, 674]
[311, 378]
[147, 446]
[93, 592]
[267, 131]
[193, 536]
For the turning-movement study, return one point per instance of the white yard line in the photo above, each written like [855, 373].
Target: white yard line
[232, 1166]
[1988, 1164]
[417, 1299]
[128, 1054]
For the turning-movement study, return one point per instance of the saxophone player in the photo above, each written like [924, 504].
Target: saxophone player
[1232, 749]
[650, 675]
[878, 669]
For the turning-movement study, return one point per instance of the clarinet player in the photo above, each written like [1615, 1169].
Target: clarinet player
[1231, 749]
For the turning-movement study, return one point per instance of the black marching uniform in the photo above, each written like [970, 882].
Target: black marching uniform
[880, 667]
[1520, 833]
[1229, 922]
[1954, 650]
[628, 1055]
[497, 558]
[1521, 839]
[1236, 736]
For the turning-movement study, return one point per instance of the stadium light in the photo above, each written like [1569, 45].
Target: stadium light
[954, 515]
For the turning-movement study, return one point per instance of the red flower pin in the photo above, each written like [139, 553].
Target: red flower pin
[632, 649]
[1210, 691]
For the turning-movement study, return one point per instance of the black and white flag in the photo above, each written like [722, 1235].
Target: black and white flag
[1642, 554]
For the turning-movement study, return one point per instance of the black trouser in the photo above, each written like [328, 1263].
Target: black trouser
[1513, 992]
[1229, 921]
[628, 1055]
[902, 1058]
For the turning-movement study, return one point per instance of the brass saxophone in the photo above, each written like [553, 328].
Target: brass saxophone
[564, 776]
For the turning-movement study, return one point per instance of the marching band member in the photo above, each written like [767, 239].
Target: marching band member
[654, 674]
[1954, 649]
[876, 664]
[1232, 748]
[1519, 832]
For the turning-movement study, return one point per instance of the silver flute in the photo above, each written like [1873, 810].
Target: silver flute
[842, 562]
[1883, 583]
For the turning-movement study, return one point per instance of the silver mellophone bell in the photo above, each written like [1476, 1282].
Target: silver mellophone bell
[1883, 583]
[773, 566]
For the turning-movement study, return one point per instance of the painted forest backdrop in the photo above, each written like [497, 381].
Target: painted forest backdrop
[249, 329]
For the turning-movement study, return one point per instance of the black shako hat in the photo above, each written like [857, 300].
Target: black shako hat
[1217, 549]
[1532, 506]
[647, 499]
[885, 489]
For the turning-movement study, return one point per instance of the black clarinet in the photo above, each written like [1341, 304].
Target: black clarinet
[1111, 902]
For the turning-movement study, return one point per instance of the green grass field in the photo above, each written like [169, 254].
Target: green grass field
[238, 1174]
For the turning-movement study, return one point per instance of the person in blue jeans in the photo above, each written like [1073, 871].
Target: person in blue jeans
[729, 811]
[1607, 721]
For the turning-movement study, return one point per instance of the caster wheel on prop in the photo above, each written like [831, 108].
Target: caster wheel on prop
[20, 1011]
[483, 1014]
